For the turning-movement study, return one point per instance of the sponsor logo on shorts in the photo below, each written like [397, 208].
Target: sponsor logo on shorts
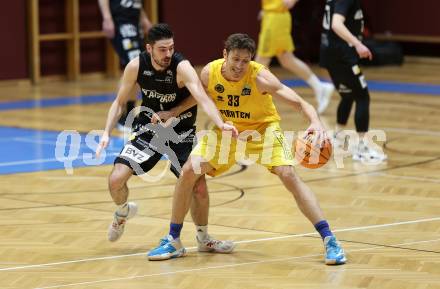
[133, 153]
[362, 81]
[344, 89]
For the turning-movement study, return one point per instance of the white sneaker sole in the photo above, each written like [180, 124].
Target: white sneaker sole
[202, 248]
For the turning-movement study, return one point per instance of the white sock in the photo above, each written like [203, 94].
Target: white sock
[122, 210]
[315, 84]
[202, 232]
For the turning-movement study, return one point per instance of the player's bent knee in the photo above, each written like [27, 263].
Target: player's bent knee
[116, 181]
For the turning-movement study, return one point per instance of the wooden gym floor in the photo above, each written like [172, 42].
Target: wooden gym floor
[53, 225]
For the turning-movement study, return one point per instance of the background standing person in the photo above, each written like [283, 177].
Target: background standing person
[275, 39]
[341, 49]
[125, 23]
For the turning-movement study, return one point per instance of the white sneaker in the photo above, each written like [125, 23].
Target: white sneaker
[324, 96]
[215, 246]
[116, 228]
[368, 155]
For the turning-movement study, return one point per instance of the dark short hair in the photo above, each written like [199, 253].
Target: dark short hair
[158, 32]
[240, 41]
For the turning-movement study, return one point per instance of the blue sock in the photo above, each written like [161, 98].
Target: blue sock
[175, 230]
[323, 229]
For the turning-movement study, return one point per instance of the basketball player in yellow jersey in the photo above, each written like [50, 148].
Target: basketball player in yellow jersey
[242, 91]
[276, 40]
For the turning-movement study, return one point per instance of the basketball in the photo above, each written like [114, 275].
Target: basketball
[312, 156]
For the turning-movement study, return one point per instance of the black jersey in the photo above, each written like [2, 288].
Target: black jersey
[160, 91]
[125, 11]
[354, 21]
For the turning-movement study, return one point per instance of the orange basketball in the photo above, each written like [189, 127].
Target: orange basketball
[311, 156]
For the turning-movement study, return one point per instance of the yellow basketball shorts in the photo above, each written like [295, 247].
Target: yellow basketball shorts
[275, 34]
[267, 146]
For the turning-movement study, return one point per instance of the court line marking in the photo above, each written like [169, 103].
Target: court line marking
[230, 266]
[412, 131]
[238, 242]
[49, 160]
[432, 180]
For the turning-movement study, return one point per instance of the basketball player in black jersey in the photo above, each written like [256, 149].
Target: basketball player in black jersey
[125, 22]
[168, 83]
[341, 49]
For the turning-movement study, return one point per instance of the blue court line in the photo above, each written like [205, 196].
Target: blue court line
[373, 85]
[385, 86]
[60, 101]
[29, 150]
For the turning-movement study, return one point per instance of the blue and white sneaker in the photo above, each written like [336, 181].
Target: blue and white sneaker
[168, 248]
[334, 254]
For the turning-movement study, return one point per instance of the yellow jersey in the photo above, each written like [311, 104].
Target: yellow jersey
[273, 6]
[240, 101]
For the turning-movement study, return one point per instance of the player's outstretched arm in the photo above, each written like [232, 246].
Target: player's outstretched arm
[267, 82]
[128, 82]
[192, 82]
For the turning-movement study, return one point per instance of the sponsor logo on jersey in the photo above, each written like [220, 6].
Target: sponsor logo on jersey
[135, 4]
[246, 90]
[185, 115]
[167, 79]
[164, 98]
[169, 72]
[147, 73]
[219, 88]
[235, 113]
